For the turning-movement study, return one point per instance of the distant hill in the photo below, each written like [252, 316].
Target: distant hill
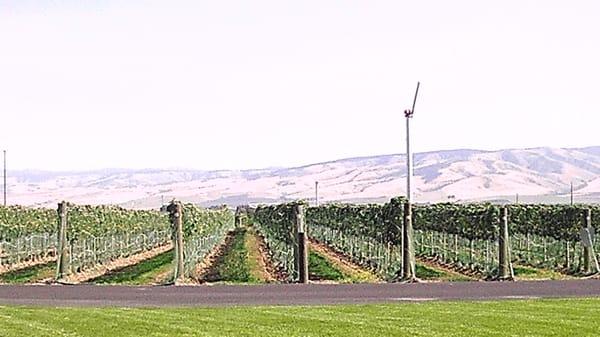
[537, 174]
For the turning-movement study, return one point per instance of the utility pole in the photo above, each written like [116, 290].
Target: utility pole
[571, 193]
[4, 177]
[408, 251]
[408, 114]
[316, 193]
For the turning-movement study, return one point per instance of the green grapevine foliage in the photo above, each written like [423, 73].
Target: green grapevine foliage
[19, 221]
[203, 230]
[97, 221]
[381, 222]
[471, 221]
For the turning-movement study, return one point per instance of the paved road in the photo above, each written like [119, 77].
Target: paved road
[288, 294]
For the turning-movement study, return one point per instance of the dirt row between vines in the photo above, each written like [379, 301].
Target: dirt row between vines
[206, 272]
[347, 265]
[449, 269]
[111, 266]
[342, 262]
[27, 264]
[266, 268]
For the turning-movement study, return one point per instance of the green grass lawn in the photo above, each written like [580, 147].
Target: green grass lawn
[145, 272]
[564, 317]
[29, 274]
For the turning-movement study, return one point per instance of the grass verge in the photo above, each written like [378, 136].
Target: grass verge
[30, 274]
[151, 271]
[557, 317]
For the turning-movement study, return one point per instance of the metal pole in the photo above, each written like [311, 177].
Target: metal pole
[316, 193]
[4, 152]
[409, 160]
[408, 253]
[409, 168]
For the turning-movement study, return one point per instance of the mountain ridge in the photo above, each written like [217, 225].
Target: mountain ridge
[460, 174]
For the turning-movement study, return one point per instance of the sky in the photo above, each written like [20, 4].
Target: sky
[246, 84]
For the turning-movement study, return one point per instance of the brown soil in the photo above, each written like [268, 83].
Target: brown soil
[114, 265]
[163, 278]
[265, 269]
[274, 273]
[207, 266]
[435, 264]
[206, 271]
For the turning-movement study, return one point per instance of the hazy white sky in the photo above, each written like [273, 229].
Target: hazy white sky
[245, 84]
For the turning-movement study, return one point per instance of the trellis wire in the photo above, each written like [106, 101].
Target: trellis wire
[197, 247]
[282, 254]
[92, 251]
[385, 259]
[478, 255]
[32, 247]
[546, 252]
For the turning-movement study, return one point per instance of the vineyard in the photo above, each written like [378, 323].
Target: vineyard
[75, 239]
[476, 239]
[483, 241]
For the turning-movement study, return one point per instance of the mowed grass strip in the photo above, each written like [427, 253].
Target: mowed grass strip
[320, 268]
[30, 274]
[151, 271]
[234, 265]
[557, 317]
[256, 262]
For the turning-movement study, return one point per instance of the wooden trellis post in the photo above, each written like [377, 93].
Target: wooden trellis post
[504, 263]
[238, 217]
[302, 247]
[590, 261]
[176, 216]
[62, 258]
